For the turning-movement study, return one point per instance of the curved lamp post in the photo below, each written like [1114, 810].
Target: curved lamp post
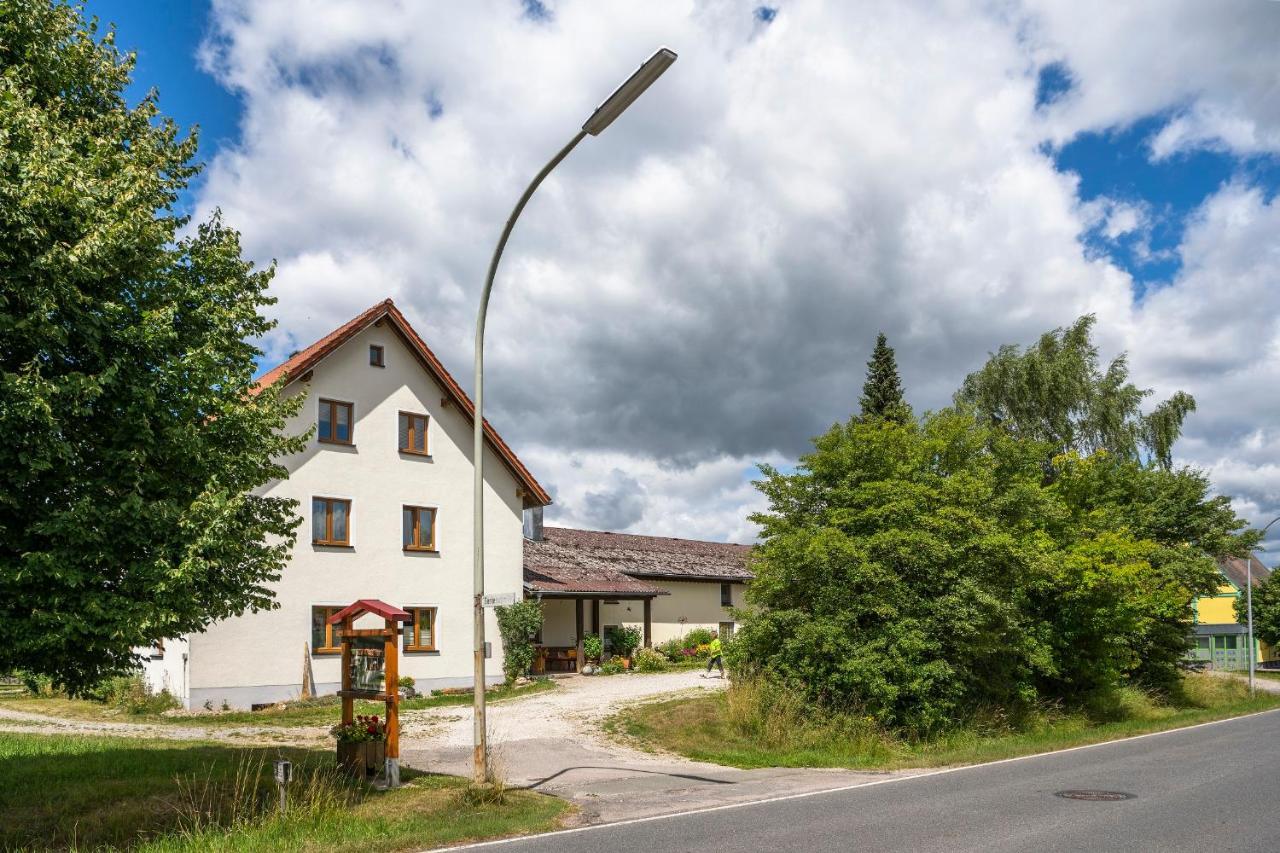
[604, 115]
[1248, 563]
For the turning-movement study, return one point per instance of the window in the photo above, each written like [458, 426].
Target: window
[375, 356]
[330, 521]
[726, 595]
[420, 634]
[324, 637]
[419, 524]
[1225, 643]
[335, 422]
[413, 433]
[726, 631]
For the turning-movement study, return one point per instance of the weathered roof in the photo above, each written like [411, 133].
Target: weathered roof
[638, 556]
[302, 361]
[572, 580]
[1236, 571]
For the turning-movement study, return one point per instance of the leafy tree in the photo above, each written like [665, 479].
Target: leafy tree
[517, 624]
[133, 441]
[1056, 392]
[882, 391]
[1266, 609]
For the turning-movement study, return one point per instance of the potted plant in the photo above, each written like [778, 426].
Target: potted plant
[625, 640]
[362, 745]
[592, 648]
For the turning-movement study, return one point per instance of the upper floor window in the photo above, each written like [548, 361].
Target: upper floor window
[335, 422]
[376, 356]
[726, 595]
[324, 637]
[420, 634]
[330, 521]
[413, 433]
[419, 524]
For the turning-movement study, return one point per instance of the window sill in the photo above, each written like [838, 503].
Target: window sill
[326, 653]
[414, 453]
[333, 546]
[421, 550]
[336, 442]
[434, 652]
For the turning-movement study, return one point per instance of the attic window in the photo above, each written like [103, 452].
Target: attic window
[376, 356]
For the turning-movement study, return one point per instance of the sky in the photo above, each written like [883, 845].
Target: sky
[697, 290]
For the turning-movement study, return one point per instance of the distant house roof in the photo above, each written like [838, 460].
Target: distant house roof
[571, 580]
[304, 360]
[1236, 571]
[588, 553]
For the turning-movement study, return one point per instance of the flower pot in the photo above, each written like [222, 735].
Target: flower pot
[362, 759]
[626, 663]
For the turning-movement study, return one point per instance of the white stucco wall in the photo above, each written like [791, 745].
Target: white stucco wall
[167, 671]
[259, 657]
[690, 605]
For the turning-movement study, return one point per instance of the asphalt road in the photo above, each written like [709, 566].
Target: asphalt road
[1209, 788]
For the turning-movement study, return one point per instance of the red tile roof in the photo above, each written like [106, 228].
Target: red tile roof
[637, 556]
[370, 605]
[303, 360]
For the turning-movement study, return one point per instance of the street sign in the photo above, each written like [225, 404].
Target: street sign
[500, 599]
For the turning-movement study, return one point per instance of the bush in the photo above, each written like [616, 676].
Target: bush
[518, 624]
[649, 660]
[592, 648]
[130, 694]
[624, 640]
[610, 667]
[697, 637]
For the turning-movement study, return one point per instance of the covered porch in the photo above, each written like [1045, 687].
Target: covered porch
[577, 603]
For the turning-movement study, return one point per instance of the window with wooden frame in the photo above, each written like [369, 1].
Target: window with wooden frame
[726, 595]
[324, 637]
[419, 528]
[376, 354]
[330, 521]
[413, 433]
[335, 424]
[420, 634]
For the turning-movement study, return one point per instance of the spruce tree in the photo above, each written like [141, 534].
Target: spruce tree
[882, 392]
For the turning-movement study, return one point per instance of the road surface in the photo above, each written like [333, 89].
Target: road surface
[1211, 787]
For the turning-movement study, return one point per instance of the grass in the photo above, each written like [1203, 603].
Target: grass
[323, 711]
[89, 792]
[749, 727]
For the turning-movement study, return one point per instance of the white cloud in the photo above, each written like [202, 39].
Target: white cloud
[698, 288]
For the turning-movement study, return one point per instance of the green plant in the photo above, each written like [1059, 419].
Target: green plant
[696, 637]
[649, 660]
[610, 667]
[361, 730]
[406, 682]
[129, 693]
[592, 647]
[518, 624]
[624, 639]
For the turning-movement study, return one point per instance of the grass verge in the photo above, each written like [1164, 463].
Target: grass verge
[743, 727]
[323, 711]
[92, 792]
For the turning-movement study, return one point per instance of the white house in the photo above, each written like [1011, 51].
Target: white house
[385, 491]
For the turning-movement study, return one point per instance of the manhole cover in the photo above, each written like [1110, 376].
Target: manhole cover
[1096, 796]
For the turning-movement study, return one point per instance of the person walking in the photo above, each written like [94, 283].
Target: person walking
[717, 655]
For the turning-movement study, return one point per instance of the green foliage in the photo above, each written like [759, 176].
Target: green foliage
[518, 624]
[125, 372]
[924, 573]
[624, 640]
[610, 667]
[882, 391]
[592, 647]
[1266, 609]
[649, 660]
[1055, 392]
[696, 637]
[129, 693]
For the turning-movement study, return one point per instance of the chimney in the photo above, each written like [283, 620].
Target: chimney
[533, 524]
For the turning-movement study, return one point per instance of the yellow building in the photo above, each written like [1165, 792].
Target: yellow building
[1220, 639]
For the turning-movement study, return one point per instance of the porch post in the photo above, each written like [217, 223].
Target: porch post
[648, 623]
[595, 622]
[577, 618]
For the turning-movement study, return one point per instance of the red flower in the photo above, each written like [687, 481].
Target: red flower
[374, 718]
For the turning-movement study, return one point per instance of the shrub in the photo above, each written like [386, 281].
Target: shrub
[624, 640]
[518, 624]
[592, 648]
[610, 667]
[697, 637]
[130, 694]
[649, 660]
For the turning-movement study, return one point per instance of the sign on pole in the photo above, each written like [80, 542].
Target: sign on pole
[501, 599]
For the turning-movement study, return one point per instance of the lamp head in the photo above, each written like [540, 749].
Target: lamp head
[626, 94]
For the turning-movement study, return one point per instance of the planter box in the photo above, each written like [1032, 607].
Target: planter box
[362, 759]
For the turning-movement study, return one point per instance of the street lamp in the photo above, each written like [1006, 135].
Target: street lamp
[1248, 568]
[603, 116]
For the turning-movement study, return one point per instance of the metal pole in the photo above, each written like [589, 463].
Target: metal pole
[481, 747]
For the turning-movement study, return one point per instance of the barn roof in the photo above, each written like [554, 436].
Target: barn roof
[647, 557]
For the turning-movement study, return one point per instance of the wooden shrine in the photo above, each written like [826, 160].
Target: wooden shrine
[371, 669]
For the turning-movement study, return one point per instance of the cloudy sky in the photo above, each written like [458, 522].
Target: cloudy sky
[697, 290]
